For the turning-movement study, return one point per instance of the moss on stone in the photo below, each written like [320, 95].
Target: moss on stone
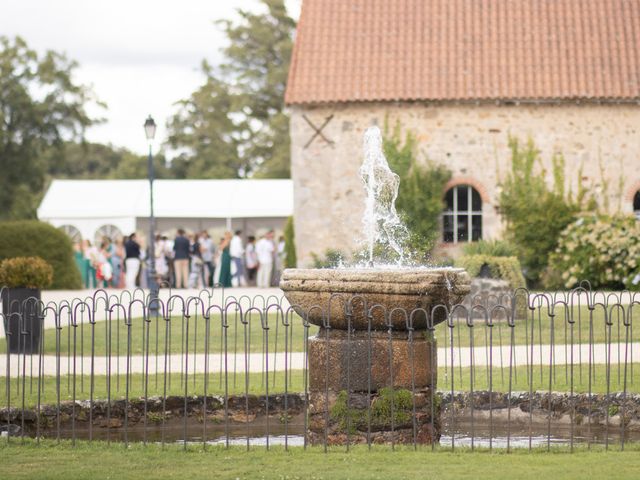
[155, 417]
[387, 404]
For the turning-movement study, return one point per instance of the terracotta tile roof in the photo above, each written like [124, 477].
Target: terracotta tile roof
[466, 50]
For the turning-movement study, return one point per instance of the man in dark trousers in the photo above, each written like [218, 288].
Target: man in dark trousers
[132, 261]
[181, 259]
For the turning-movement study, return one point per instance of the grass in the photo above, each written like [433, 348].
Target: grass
[100, 461]
[584, 329]
[561, 379]
[176, 386]
[257, 383]
[81, 336]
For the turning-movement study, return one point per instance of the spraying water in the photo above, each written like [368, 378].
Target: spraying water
[381, 223]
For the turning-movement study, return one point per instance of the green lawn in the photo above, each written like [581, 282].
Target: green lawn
[100, 461]
[500, 333]
[561, 379]
[117, 334]
[584, 329]
[235, 385]
[295, 383]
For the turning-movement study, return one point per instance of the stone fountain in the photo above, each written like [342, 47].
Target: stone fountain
[374, 353]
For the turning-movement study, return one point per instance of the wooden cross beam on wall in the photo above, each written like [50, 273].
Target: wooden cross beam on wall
[318, 131]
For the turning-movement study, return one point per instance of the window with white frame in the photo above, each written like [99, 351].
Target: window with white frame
[636, 204]
[462, 217]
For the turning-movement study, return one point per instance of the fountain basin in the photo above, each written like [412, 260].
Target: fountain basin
[325, 296]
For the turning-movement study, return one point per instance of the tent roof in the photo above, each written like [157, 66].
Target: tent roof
[172, 198]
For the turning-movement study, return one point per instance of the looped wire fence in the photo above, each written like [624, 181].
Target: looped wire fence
[518, 370]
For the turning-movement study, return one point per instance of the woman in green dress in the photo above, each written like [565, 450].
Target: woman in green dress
[82, 266]
[225, 261]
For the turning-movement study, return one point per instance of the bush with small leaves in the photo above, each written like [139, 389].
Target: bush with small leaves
[25, 272]
[605, 250]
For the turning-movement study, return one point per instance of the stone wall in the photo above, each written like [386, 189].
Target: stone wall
[517, 410]
[471, 139]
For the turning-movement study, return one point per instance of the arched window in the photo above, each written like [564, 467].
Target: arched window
[462, 218]
[72, 232]
[110, 231]
[636, 204]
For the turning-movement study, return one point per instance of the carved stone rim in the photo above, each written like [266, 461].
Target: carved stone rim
[407, 281]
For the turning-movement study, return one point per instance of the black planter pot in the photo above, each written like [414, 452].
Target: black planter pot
[22, 324]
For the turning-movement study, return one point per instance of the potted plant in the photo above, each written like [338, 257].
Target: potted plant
[21, 279]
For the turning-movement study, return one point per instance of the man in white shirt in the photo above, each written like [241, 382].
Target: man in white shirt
[206, 249]
[236, 250]
[265, 249]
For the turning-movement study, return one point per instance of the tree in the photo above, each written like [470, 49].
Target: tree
[205, 132]
[235, 125]
[257, 59]
[535, 213]
[132, 165]
[83, 160]
[420, 197]
[40, 107]
[86, 160]
[290, 257]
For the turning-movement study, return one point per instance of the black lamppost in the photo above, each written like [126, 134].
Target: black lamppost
[150, 132]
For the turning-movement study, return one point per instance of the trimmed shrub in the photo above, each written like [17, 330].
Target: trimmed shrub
[30, 238]
[492, 248]
[503, 268]
[605, 250]
[25, 272]
[332, 258]
[290, 257]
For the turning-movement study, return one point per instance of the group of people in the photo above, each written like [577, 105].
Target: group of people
[100, 266]
[187, 261]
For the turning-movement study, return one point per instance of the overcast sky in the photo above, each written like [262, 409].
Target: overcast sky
[140, 56]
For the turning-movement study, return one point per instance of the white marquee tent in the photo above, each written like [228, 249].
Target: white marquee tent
[93, 208]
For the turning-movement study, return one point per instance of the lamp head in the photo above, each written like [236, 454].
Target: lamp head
[150, 128]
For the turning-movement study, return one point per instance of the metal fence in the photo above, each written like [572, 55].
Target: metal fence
[522, 369]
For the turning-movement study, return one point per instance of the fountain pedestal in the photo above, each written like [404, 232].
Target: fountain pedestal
[384, 375]
[373, 364]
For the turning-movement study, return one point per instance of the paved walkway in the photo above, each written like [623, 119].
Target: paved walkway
[253, 363]
[256, 362]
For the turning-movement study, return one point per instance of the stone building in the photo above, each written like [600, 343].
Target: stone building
[462, 75]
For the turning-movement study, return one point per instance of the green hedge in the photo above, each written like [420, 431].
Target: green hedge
[491, 248]
[332, 258]
[504, 268]
[30, 238]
